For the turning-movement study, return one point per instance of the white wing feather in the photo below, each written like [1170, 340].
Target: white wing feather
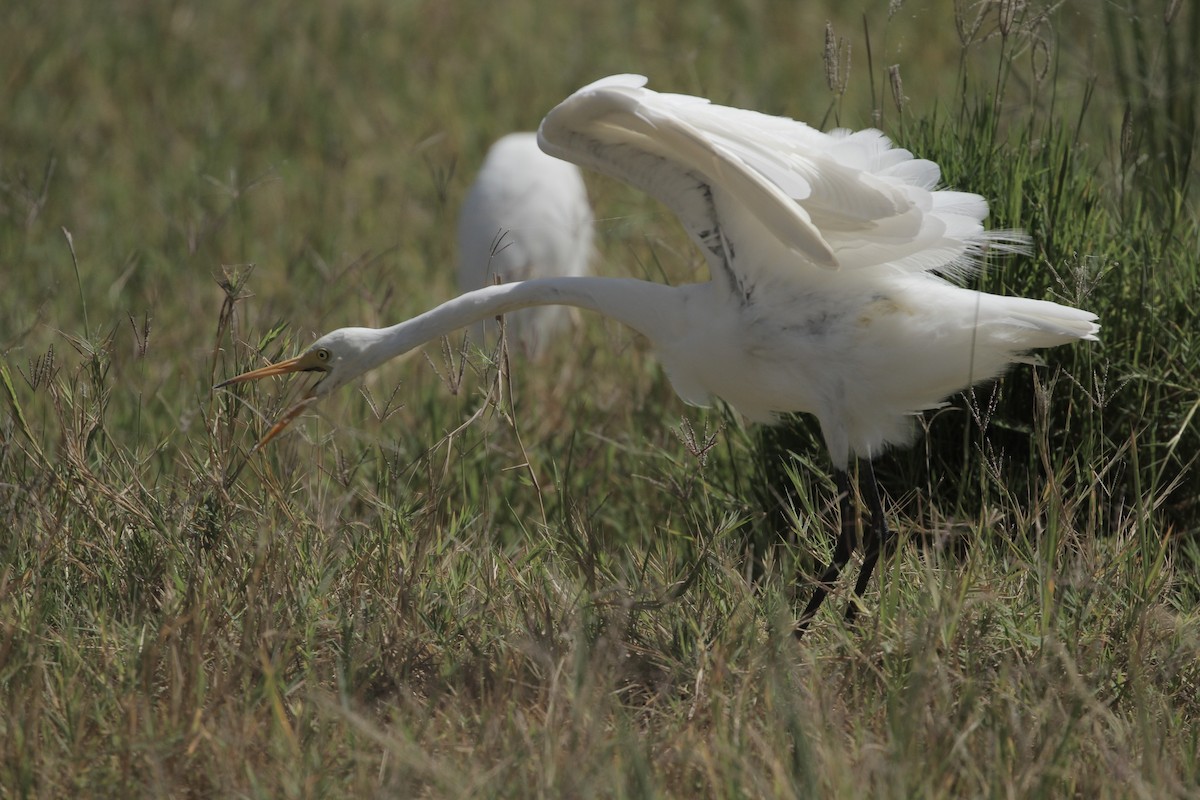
[840, 200]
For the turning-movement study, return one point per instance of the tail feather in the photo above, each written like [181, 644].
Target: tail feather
[1043, 323]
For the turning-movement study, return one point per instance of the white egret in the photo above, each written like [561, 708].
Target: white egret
[832, 258]
[526, 216]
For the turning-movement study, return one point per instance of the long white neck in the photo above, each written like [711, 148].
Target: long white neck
[652, 309]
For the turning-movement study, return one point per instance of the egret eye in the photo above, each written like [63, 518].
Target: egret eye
[322, 355]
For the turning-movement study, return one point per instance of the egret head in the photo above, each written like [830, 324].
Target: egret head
[340, 356]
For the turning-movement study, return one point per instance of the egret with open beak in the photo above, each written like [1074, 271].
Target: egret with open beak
[341, 355]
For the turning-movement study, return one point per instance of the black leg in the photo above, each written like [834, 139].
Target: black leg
[880, 536]
[841, 553]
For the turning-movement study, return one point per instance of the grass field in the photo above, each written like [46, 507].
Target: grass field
[480, 579]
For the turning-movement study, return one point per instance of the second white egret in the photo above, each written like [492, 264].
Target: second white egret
[526, 216]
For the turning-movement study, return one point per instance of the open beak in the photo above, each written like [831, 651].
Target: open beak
[301, 363]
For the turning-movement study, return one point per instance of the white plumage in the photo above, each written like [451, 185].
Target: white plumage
[827, 253]
[526, 216]
[831, 256]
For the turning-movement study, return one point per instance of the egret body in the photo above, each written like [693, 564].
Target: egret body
[526, 216]
[834, 260]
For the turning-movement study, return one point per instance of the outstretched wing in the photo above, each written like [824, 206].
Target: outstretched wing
[837, 200]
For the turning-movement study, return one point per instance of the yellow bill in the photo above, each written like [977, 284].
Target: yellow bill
[311, 361]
